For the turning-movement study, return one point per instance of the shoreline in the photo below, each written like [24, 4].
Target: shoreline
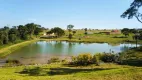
[8, 50]
[87, 41]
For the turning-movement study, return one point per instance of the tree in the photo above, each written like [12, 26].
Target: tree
[5, 37]
[31, 28]
[23, 32]
[58, 31]
[37, 31]
[12, 37]
[70, 36]
[1, 37]
[85, 31]
[133, 31]
[70, 27]
[13, 34]
[133, 11]
[74, 32]
[125, 31]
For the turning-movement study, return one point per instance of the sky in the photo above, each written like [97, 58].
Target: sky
[95, 14]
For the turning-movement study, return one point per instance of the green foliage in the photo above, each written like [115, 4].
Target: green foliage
[74, 32]
[125, 31]
[133, 11]
[31, 28]
[37, 31]
[21, 32]
[108, 57]
[58, 31]
[70, 36]
[12, 37]
[70, 27]
[83, 59]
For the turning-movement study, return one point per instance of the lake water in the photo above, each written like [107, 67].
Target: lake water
[42, 51]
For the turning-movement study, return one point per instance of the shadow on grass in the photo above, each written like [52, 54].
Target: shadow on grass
[135, 62]
[64, 71]
[58, 71]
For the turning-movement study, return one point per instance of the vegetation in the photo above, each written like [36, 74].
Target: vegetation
[70, 27]
[59, 71]
[82, 59]
[8, 50]
[132, 56]
[21, 32]
[87, 59]
[58, 31]
[133, 11]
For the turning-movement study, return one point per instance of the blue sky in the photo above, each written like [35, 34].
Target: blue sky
[97, 14]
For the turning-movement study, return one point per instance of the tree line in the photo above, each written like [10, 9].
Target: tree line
[20, 32]
[136, 32]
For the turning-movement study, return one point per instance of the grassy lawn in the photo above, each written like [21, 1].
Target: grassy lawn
[99, 38]
[58, 71]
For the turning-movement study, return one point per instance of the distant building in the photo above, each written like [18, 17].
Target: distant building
[115, 32]
[48, 36]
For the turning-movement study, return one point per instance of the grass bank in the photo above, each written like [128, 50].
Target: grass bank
[59, 71]
[9, 49]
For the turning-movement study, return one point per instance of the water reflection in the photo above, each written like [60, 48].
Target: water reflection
[42, 49]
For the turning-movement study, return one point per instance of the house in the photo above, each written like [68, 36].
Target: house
[48, 36]
[115, 32]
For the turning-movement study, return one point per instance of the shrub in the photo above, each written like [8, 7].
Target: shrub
[54, 60]
[107, 57]
[82, 59]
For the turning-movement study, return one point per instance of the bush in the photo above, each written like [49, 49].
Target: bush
[83, 59]
[108, 57]
[54, 60]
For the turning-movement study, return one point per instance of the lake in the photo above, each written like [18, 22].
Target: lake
[42, 51]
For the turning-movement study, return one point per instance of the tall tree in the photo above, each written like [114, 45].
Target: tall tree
[85, 30]
[70, 27]
[13, 34]
[58, 31]
[37, 31]
[31, 28]
[23, 32]
[133, 11]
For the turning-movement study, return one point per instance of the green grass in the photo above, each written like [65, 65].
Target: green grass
[58, 71]
[98, 38]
